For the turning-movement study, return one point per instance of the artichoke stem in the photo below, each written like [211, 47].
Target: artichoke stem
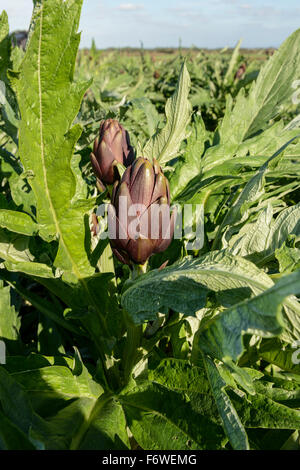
[139, 269]
[134, 332]
[132, 355]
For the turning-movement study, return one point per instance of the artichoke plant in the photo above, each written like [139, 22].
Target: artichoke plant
[139, 217]
[110, 148]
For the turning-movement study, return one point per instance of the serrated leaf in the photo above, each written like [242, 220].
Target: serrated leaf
[6, 97]
[185, 285]
[287, 223]
[252, 238]
[233, 63]
[165, 144]
[272, 89]
[182, 376]
[285, 392]
[268, 96]
[146, 107]
[49, 100]
[251, 193]
[151, 407]
[69, 403]
[179, 374]
[265, 237]
[233, 427]
[260, 315]
[190, 166]
[21, 192]
[288, 258]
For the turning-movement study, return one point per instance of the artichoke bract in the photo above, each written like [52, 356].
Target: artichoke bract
[140, 221]
[111, 147]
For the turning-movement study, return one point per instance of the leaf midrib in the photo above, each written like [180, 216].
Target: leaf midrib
[175, 118]
[201, 271]
[48, 194]
[81, 433]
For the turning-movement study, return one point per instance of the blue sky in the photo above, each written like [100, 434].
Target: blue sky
[204, 23]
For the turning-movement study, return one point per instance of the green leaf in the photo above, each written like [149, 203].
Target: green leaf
[232, 64]
[288, 258]
[49, 100]
[18, 222]
[287, 223]
[21, 192]
[267, 414]
[56, 379]
[7, 113]
[15, 404]
[9, 321]
[269, 95]
[145, 106]
[53, 387]
[45, 307]
[184, 285]
[5, 46]
[31, 361]
[286, 392]
[104, 428]
[12, 438]
[280, 354]
[222, 336]
[70, 403]
[251, 240]
[272, 89]
[266, 143]
[182, 376]
[9, 117]
[264, 238]
[31, 268]
[165, 144]
[190, 166]
[251, 193]
[151, 407]
[291, 319]
[233, 427]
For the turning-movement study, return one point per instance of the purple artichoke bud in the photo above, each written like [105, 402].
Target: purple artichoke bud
[139, 219]
[111, 147]
[240, 71]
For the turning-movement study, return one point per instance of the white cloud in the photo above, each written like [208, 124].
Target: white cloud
[130, 7]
